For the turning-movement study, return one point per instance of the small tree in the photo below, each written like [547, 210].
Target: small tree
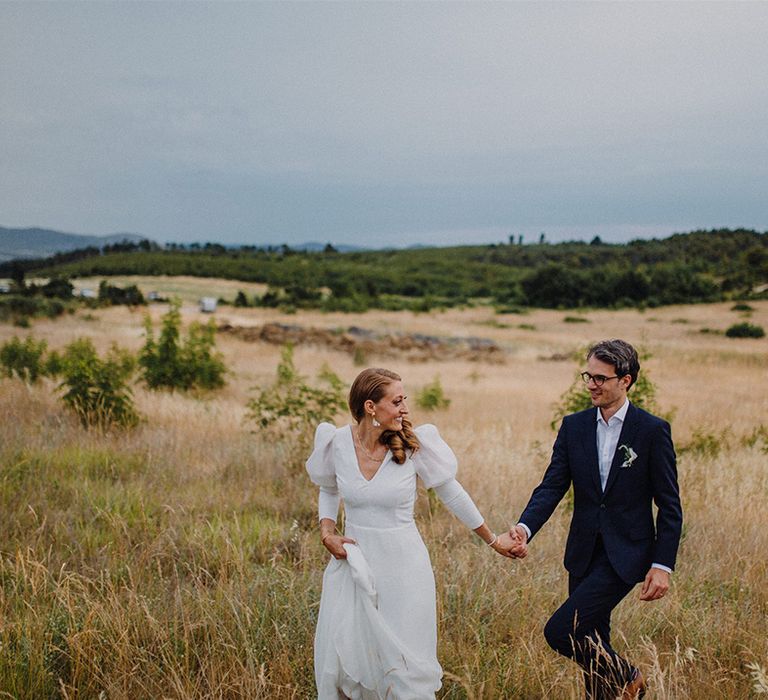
[24, 358]
[292, 408]
[97, 389]
[167, 362]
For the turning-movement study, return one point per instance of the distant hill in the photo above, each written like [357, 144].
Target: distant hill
[699, 266]
[316, 247]
[40, 242]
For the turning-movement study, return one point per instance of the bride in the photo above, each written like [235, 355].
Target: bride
[376, 632]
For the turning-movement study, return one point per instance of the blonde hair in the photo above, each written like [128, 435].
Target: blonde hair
[372, 384]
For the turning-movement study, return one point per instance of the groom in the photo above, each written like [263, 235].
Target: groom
[619, 460]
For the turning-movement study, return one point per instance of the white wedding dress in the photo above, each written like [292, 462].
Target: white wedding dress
[376, 632]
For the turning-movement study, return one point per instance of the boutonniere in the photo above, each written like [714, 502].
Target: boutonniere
[629, 456]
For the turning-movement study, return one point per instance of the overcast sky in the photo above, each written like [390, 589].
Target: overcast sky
[383, 124]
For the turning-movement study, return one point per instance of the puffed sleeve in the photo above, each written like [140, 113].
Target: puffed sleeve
[322, 472]
[436, 464]
[320, 463]
[434, 461]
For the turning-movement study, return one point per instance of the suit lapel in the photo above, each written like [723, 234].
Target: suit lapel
[628, 430]
[590, 447]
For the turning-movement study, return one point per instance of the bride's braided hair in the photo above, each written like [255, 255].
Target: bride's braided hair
[372, 384]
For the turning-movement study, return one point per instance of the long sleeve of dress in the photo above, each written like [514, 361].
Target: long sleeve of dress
[436, 464]
[322, 472]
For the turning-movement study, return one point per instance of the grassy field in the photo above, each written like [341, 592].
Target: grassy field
[181, 559]
[188, 289]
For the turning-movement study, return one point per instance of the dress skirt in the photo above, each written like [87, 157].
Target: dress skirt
[376, 633]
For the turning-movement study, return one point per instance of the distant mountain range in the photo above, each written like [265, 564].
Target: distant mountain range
[40, 242]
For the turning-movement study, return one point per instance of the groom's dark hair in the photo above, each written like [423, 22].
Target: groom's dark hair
[618, 353]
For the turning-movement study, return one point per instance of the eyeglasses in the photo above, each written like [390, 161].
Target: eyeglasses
[598, 379]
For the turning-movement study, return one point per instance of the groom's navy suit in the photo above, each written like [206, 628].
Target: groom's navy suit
[613, 540]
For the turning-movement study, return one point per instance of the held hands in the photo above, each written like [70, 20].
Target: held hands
[656, 584]
[334, 544]
[512, 544]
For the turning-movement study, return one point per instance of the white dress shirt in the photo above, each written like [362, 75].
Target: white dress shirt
[608, 438]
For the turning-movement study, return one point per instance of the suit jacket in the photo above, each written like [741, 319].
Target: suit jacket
[622, 514]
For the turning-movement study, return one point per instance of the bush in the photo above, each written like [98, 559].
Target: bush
[97, 389]
[191, 365]
[23, 358]
[576, 398]
[745, 330]
[58, 288]
[115, 296]
[432, 397]
[292, 408]
[54, 364]
[741, 306]
[359, 357]
[20, 309]
[241, 301]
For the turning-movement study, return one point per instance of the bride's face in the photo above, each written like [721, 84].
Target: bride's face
[392, 407]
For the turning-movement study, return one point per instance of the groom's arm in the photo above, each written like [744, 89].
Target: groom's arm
[666, 495]
[553, 486]
[669, 519]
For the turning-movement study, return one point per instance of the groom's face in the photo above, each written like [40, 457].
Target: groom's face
[613, 392]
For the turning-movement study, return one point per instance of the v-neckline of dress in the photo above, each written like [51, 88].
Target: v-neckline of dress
[387, 455]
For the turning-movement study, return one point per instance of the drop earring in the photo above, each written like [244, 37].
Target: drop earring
[374, 422]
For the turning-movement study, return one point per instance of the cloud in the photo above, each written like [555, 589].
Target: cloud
[289, 121]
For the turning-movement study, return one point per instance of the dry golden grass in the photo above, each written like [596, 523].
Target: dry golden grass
[181, 559]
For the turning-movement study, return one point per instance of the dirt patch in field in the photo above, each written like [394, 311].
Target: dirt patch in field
[356, 340]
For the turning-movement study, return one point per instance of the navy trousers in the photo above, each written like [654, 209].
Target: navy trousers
[580, 628]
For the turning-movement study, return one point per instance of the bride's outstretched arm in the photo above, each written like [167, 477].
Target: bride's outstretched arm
[499, 543]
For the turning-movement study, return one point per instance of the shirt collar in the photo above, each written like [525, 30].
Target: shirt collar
[620, 415]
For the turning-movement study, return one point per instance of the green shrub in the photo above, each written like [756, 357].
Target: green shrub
[745, 330]
[58, 287]
[20, 309]
[169, 363]
[97, 389]
[241, 301]
[113, 295]
[432, 397]
[576, 398]
[359, 357]
[741, 306]
[706, 444]
[23, 358]
[575, 319]
[54, 364]
[292, 408]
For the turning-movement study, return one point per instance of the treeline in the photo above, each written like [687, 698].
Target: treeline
[684, 268]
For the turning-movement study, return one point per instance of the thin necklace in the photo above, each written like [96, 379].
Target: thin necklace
[362, 447]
